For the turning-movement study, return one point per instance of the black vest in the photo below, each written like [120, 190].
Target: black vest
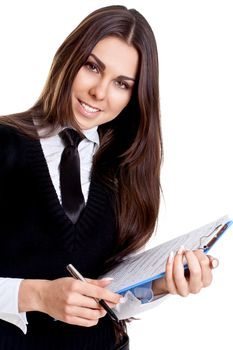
[37, 240]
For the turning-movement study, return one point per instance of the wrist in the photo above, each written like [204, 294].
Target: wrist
[30, 296]
[159, 286]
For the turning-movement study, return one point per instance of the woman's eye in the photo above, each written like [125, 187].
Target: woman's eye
[122, 84]
[92, 67]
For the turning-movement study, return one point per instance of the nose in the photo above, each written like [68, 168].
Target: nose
[99, 90]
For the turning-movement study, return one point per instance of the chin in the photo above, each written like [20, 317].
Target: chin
[87, 125]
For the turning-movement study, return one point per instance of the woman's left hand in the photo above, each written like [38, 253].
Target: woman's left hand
[178, 281]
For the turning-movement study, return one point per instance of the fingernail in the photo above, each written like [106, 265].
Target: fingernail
[181, 250]
[214, 263]
[122, 300]
[171, 256]
[107, 279]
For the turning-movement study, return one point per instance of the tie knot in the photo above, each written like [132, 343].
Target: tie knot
[70, 137]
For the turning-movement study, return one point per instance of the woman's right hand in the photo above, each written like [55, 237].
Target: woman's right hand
[66, 299]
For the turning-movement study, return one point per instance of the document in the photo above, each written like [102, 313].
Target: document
[149, 265]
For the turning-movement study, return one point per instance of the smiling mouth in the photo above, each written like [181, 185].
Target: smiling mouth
[88, 108]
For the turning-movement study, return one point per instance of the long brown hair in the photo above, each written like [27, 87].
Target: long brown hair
[129, 158]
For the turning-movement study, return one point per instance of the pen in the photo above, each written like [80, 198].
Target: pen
[72, 270]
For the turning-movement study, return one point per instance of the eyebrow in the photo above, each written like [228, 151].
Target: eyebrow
[102, 67]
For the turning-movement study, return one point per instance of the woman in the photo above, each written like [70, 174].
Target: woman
[103, 83]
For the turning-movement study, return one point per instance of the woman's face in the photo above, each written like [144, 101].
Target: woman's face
[103, 86]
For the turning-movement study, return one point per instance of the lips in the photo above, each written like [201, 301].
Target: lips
[88, 108]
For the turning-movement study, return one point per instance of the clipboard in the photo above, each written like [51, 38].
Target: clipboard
[149, 265]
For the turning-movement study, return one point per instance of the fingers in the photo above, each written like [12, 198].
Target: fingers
[104, 282]
[98, 292]
[86, 301]
[83, 317]
[73, 301]
[199, 271]
[179, 275]
[83, 312]
[82, 308]
[175, 277]
[83, 301]
[171, 287]
[199, 266]
[78, 321]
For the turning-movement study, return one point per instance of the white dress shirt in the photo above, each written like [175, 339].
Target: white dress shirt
[52, 149]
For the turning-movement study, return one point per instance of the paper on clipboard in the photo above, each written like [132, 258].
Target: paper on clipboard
[149, 265]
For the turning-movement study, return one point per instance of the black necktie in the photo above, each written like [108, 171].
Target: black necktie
[71, 191]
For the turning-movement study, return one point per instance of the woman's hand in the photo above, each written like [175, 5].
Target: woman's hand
[178, 281]
[66, 299]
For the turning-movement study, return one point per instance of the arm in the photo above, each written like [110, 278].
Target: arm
[64, 299]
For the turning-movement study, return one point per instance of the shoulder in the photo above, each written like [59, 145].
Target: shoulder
[11, 138]
[12, 145]
[7, 131]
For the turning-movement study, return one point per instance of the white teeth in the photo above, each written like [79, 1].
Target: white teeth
[89, 108]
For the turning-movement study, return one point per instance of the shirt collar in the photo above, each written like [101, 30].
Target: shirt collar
[92, 135]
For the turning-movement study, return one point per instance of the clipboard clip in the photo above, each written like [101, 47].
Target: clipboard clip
[216, 233]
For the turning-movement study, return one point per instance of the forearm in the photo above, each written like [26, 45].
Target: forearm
[31, 295]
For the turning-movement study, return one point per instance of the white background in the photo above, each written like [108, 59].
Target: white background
[196, 77]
